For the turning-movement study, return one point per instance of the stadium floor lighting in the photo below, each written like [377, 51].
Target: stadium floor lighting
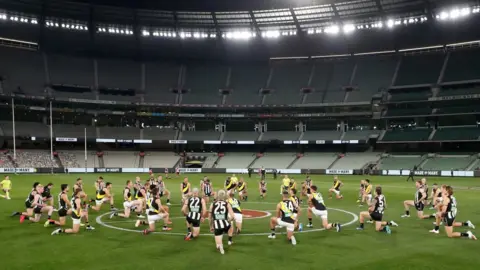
[390, 23]
[348, 28]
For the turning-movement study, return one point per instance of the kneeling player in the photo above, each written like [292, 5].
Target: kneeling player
[336, 188]
[64, 206]
[77, 214]
[104, 195]
[163, 189]
[242, 190]
[207, 190]
[237, 212]
[262, 188]
[419, 202]
[128, 204]
[185, 189]
[220, 215]
[375, 212]
[449, 212]
[155, 213]
[319, 209]
[285, 218]
[195, 210]
[367, 193]
[28, 204]
[39, 207]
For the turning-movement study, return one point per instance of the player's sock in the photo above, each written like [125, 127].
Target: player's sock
[437, 228]
[273, 231]
[16, 214]
[464, 234]
[49, 216]
[168, 200]
[309, 221]
[407, 212]
[230, 238]
[51, 222]
[189, 230]
[465, 224]
[116, 214]
[384, 229]
[361, 225]
[432, 216]
[246, 198]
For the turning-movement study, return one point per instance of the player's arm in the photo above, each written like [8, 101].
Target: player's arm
[231, 214]
[371, 207]
[107, 193]
[204, 209]
[424, 195]
[259, 187]
[279, 211]
[181, 188]
[36, 199]
[125, 195]
[65, 199]
[210, 219]
[184, 208]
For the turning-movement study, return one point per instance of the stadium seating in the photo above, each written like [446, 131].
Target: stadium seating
[5, 161]
[160, 78]
[329, 80]
[28, 129]
[457, 133]
[420, 94]
[322, 135]
[354, 161]
[210, 160]
[35, 159]
[420, 134]
[463, 65]
[240, 136]
[315, 161]
[119, 133]
[399, 162]
[199, 135]
[460, 109]
[420, 69]
[287, 80]
[275, 160]
[447, 163]
[69, 160]
[246, 81]
[236, 160]
[280, 135]
[153, 133]
[412, 111]
[122, 159]
[73, 131]
[160, 159]
[16, 65]
[359, 134]
[204, 82]
[373, 73]
[446, 91]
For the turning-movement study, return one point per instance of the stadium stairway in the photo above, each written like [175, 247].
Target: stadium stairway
[141, 161]
[337, 159]
[475, 162]
[58, 161]
[432, 134]
[380, 138]
[295, 160]
[222, 135]
[425, 159]
[253, 161]
[215, 163]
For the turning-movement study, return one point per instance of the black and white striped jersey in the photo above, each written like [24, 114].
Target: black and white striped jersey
[194, 208]
[220, 215]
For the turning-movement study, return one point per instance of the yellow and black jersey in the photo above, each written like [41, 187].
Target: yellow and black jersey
[287, 208]
[229, 184]
[185, 188]
[127, 194]
[241, 186]
[75, 208]
[153, 206]
[235, 205]
[337, 184]
[292, 185]
[368, 189]
[138, 193]
[101, 194]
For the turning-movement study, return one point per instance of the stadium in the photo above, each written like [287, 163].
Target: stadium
[263, 99]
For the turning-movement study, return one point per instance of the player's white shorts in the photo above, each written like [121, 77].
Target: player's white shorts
[369, 197]
[76, 221]
[290, 226]
[185, 196]
[295, 215]
[130, 204]
[102, 201]
[241, 193]
[153, 218]
[238, 217]
[323, 214]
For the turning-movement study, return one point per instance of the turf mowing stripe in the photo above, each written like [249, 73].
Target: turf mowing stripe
[99, 221]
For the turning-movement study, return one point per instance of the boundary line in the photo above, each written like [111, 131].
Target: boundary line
[99, 221]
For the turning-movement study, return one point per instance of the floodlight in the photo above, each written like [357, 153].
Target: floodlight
[310, 31]
[444, 15]
[229, 35]
[380, 25]
[454, 14]
[63, 25]
[145, 33]
[196, 35]
[390, 23]
[348, 28]
[182, 35]
[332, 29]
[465, 11]
[411, 20]
[56, 24]
[318, 31]
[213, 35]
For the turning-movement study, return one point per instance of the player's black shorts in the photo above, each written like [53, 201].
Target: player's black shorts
[28, 205]
[62, 212]
[37, 210]
[448, 221]
[376, 216]
[309, 191]
[195, 223]
[46, 195]
[419, 206]
[264, 191]
[161, 194]
[218, 232]
[208, 194]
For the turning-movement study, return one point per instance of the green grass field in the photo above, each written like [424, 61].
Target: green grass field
[121, 246]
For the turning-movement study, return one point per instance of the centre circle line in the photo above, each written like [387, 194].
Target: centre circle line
[99, 221]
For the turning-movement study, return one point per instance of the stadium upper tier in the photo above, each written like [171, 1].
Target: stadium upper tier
[330, 79]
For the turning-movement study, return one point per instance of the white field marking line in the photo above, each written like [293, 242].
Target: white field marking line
[99, 221]
[266, 212]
